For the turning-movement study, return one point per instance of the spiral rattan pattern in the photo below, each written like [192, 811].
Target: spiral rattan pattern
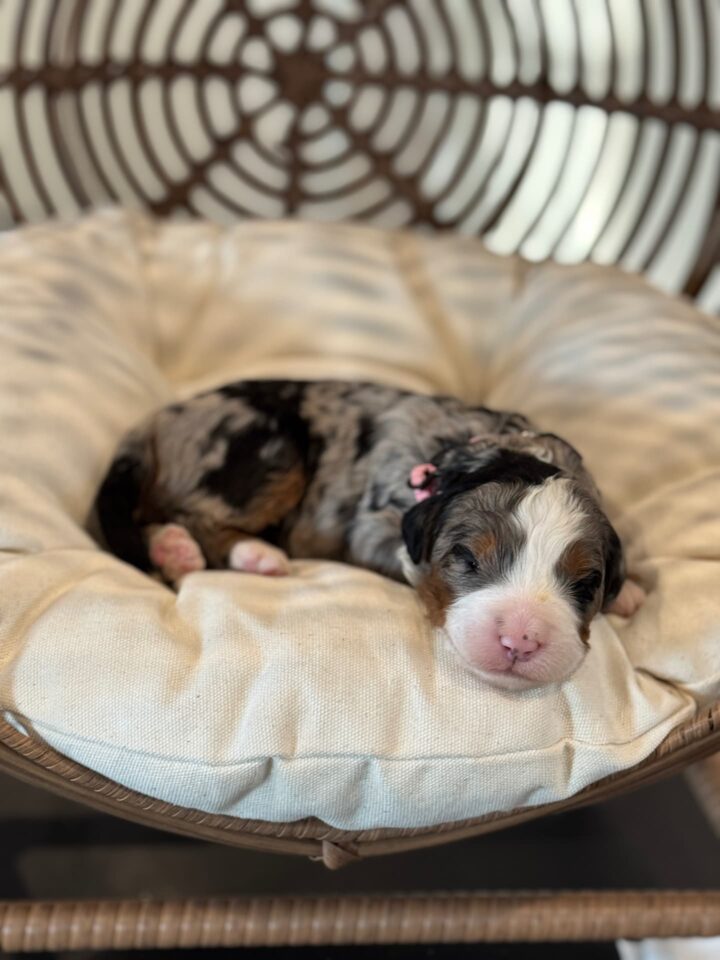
[571, 130]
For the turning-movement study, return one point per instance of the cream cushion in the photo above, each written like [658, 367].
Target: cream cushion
[326, 693]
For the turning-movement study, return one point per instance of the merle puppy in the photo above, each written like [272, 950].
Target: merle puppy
[499, 527]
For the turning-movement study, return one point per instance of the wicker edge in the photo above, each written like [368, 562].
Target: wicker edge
[505, 916]
[34, 762]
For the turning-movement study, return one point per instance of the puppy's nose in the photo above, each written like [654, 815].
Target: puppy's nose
[519, 646]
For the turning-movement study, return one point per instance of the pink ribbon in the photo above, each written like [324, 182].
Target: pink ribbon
[420, 480]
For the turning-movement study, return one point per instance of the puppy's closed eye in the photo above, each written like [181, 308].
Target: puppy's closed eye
[583, 589]
[464, 557]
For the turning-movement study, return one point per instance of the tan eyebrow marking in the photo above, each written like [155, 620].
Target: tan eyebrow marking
[483, 544]
[576, 560]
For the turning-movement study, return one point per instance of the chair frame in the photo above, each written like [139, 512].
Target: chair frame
[440, 917]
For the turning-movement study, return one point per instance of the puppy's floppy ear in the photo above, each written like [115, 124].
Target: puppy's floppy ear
[419, 528]
[614, 566]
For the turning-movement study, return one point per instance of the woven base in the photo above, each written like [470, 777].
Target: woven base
[438, 918]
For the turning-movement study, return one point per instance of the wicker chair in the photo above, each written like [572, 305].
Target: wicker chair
[567, 130]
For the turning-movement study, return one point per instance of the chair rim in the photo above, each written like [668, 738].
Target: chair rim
[31, 760]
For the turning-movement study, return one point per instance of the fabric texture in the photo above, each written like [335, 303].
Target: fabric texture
[327, 693]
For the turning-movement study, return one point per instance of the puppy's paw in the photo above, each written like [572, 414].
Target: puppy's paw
[256, 556]
[629, 600]
[174, 552]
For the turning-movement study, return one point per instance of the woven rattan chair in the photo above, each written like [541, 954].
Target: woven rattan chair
[572, 129]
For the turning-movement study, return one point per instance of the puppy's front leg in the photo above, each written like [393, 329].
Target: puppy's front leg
[256, 556]
[174, 551]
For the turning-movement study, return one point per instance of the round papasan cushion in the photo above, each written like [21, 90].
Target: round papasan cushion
[326, 693]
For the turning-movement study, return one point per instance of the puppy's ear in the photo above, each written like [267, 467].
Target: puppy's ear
[614, 566]
[419, 528]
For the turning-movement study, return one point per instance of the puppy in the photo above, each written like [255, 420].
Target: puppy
[497, 526]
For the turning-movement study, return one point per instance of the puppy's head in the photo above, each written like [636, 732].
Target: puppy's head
[514, 559]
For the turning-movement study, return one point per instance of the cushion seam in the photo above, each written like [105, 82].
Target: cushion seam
[263, 758]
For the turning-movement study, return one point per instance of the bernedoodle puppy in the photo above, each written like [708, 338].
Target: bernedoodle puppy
[499, 527]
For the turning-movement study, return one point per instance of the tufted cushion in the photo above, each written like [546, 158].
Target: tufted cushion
[327, 693]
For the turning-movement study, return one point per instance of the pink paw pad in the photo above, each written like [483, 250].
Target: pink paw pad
[174, 552]
[256, 556]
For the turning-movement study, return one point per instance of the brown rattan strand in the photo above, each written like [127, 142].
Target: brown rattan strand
[294, 921]
[34, 762]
